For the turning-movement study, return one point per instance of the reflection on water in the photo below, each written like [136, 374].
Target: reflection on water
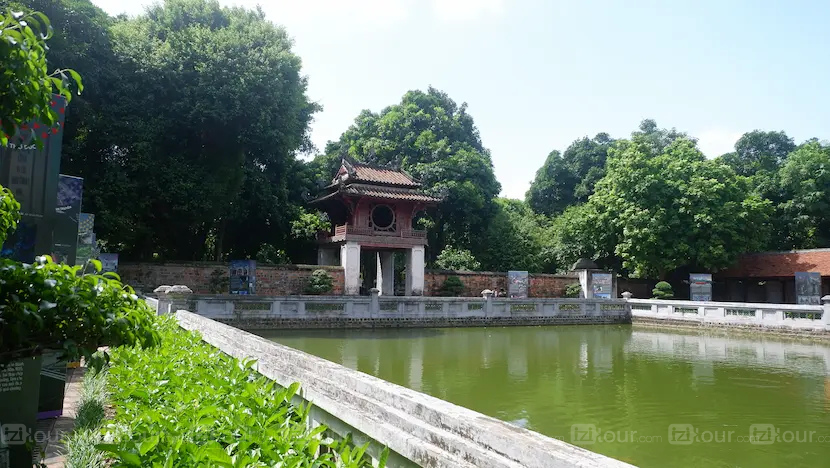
[616, 378]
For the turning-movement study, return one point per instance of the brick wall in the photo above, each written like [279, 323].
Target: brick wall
[271, 280]
[540, 285]
[287, 280]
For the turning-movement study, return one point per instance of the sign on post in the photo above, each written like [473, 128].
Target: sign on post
[67, 215]
[808, 287]
[243, 277]
[700, 286]
[517, 284]
[602, 285]
[109, 262]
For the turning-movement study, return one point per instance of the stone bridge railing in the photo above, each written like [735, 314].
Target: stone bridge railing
[808, 318]
[419, 430]
[258, 312]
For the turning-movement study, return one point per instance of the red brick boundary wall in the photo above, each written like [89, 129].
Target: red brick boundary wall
[540, 284]
[210, 277]
[289, 280]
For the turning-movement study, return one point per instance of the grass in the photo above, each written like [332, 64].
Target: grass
[80, 445]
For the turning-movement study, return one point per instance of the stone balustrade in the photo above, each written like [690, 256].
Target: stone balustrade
[786, 317]
[257, 312]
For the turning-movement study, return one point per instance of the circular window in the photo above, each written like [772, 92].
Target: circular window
[383, 218]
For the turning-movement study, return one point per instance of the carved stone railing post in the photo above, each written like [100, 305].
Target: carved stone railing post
[172, 298]
[825, 315]
[374, 305]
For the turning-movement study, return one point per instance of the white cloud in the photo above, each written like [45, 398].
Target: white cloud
[463, 10]
[715, 142]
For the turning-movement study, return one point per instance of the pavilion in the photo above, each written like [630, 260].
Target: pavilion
[372, 210]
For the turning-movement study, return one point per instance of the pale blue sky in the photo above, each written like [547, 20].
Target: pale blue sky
[538, 74]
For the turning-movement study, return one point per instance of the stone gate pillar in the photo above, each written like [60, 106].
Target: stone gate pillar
[350, 261]
[386, 273]
[415, 271]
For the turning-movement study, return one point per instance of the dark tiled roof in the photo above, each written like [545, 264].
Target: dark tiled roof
[360, 172]
[779, 264]
[388, 193]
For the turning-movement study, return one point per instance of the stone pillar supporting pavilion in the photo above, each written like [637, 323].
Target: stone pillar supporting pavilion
[373, 209]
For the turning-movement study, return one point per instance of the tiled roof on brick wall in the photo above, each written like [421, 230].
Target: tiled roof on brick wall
[779, 264]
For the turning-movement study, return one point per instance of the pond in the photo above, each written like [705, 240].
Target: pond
[652, 398]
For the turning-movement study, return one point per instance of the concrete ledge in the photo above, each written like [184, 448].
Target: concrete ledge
[685, 324]
[406, 322]
[424, 430]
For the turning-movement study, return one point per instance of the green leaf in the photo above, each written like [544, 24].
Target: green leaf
[148, 444]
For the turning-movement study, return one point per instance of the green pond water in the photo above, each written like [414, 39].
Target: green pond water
[651, 398]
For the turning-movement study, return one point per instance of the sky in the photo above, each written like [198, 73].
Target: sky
[539, 74]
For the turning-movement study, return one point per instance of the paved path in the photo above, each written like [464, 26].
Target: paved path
[58, 427]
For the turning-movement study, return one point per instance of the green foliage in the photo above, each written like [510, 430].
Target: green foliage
[452, 287]
[219, 282]
[26, 85]
[569, 178]
[217, 111]
[9, 213]
[674, 208]
[662, 290]
[759, 151]
[573, 290]
[49, 306]
[428, 135]
[90, 412]
[309, 224]
[802, 216]
[269, 254]
[517, 239]
[239, 419]
[320, 282]
[457, 260]
[81, 451]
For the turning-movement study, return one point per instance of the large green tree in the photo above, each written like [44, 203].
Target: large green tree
[759, 151]
[195, 116]
[664, 207]
[805, 187]
[434, 139]
[570, 177]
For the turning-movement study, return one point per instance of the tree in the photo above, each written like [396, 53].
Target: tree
[430, 136]
[759, 151]
[569, 178]
[805, 185]
[517, 239]
[27, 86]
[457, 260]
[675, 208]
[212, 109]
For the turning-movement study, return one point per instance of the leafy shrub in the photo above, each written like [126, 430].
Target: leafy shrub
[269, 254]
[9, 213]
[187, 404]
[573, 290]
[49, 306]
[452, 287]
[27, 86]
[319, 283]
[662, 290]
[457, 260]
[219, 282]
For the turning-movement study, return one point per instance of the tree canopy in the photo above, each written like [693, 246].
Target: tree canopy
[188, 135]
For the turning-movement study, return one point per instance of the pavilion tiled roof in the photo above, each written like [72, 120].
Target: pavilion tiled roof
[779, 264]
[353, 171]
[389, 193]
[365, 180]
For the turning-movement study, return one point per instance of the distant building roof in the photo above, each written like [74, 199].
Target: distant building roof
[779, 264]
